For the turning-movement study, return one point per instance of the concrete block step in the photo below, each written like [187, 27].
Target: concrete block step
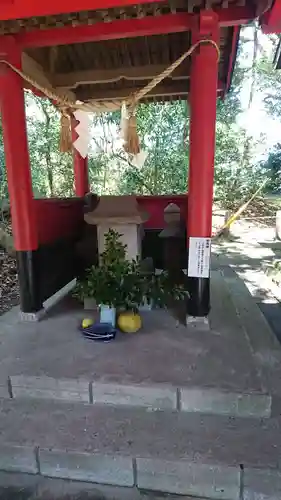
[207, 456]
[153, 396]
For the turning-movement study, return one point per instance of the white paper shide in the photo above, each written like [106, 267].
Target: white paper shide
[82, 142]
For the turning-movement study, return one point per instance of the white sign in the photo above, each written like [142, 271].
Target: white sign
[199, 257]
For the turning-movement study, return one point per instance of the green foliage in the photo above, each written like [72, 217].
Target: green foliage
[52, 172]
[237, 174]
[236, 186]
[105, 282]
[162, 128]
[269, 82]
[272, 168]
[120, 283]
[158, 290]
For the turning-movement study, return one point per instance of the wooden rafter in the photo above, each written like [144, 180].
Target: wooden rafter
[33, 69]
[74, 79]
[180, 88]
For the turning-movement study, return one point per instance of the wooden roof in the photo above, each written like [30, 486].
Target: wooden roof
[113, 69]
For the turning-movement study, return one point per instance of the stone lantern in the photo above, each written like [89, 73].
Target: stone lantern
[173, 236]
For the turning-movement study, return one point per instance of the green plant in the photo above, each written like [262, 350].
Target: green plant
[120, 283]
[159, 290]
[104, 282]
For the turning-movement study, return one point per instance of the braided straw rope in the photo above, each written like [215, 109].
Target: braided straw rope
[67, 106]
[98, 106]
[167, 72]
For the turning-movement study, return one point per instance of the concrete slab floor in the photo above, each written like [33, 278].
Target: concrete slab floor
[163, 352]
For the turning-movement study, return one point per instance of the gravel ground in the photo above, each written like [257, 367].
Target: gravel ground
[9, 288]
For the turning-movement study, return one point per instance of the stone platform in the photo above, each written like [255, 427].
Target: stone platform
[173, 408]
[164, 352]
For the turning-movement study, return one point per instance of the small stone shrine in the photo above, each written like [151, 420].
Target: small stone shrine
[122, 214]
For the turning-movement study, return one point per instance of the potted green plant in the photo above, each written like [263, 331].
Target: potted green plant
[105, 282]
[119, 284]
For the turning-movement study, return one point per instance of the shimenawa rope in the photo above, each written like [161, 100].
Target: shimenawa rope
[66, 105]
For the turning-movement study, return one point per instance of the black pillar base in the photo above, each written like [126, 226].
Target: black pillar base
[198, 303]
[28, 274]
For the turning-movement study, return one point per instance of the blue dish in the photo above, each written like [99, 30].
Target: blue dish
[100, 332]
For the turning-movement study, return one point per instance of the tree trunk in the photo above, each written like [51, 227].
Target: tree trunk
[247, 143]
[48, 151]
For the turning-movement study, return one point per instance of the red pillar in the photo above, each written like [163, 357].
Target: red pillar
[203, 97]
[80, 165]
[19, 175]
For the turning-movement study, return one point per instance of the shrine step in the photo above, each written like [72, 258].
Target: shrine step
[207, 456]
[202, 400]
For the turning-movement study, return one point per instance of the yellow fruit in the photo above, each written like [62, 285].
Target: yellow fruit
[129, 322]
[87, 322]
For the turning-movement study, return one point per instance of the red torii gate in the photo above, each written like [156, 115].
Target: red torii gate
[202, 23]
